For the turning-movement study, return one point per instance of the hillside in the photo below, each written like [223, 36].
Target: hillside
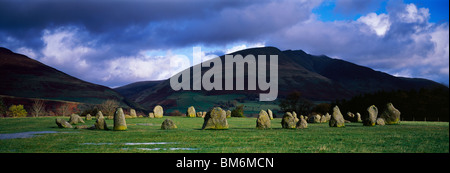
[27, 78]
[318, 78]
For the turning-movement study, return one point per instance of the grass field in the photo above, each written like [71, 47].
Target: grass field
[144, 135]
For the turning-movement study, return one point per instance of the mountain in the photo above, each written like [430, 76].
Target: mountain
[133, 88]
[318, 78]
[27, 78]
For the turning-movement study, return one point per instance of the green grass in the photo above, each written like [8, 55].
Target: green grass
[241, 137]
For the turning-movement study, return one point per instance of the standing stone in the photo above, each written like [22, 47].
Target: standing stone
[270, 114]
[191, 112]
[63, 123]
[215, 119]
[323, 119]
[314, 118]
[380, 121]
[168, 124]
[228, 114]
[100, 124]
[328, 116]
[88, 117]
[204, 114]
[302, 123]
[151, 115]
[371, 119]
[289, 121]
[133, 113]
[337, 120]
[391, 115]
[119, 120]
[263, 120]
[158, 111]
[99, 115]
[358, 117]
[75, 119]
[199, 114]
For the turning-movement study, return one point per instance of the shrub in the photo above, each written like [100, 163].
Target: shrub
[238, 111]
[17, 111]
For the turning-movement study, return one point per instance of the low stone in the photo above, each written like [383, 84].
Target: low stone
[302, 123]
[337, 120]
[371, 118]
[380, 121]
[191, 112]
[215, 119]
[314, 119]
[88, 117]
[128, 116]
[263, 120]
[391, 115]
[204, 114]
[168, 124]
[75, 119]
[323, 119]
[270, 114]
[151, 115]
[119, 120]
[82, 127]
[289, 121]
[63, 123]
[158, 111]
[199, 114]
[228, 114]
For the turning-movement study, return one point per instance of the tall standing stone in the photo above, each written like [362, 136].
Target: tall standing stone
[337, 120]
[371, 118]
[215, 119]
[158, 111]
[119, 120]
[263, 120]
[99, 115]
[270, 114]
[358, 117]
[133, 113]
[391, 115]
[191, 112]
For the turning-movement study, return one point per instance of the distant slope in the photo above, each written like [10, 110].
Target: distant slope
[24, 77]
[318, 78]
[133, 88]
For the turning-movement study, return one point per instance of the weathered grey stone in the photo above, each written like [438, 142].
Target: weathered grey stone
[158, 111]
[204, 114]
[337, 120]
[380, 121]
[302, 124]
[199, 114]
[75, 119]
[358, 117]
[191, 112]
[215, 119]
[289, 121]
[100, 124]
[371, 117]
[82, 127]
[323, 119]
[133, 113]
[228, 114]
[314, 118]
[263, 120]
[168, 124]
[391, 115]
[99, 115]
[270, 114]
[151, 115]
[119, 120]
[88, 117]
[63, 123]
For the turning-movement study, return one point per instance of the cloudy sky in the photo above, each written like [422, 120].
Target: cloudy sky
[117, 42]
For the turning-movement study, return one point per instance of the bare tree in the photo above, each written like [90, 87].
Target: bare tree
[37, 108]
[63, 109]
[108, 107]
